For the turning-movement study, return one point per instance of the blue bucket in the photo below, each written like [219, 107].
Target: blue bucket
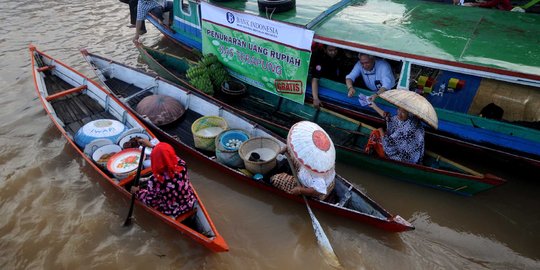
[228, 155]
[231, 139]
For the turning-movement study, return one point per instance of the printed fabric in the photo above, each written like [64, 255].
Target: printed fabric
[374, 144]
[174, 196]
[404, 140]
[144, 7]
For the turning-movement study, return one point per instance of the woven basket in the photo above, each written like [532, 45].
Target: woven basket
[267, 148]
[205, 130]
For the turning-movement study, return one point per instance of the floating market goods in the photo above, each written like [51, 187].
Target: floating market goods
[199, 74]
[233, 143]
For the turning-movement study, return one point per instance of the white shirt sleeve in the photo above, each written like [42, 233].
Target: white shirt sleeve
[355, 72]
[384, 72]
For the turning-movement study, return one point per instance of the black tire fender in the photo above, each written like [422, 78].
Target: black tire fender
[276, 6]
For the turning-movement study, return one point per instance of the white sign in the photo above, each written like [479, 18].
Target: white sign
[278, 32]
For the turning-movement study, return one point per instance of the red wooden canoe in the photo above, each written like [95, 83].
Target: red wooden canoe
[72, 100]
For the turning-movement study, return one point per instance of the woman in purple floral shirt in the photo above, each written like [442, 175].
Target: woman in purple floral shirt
[403, 139]
[168, 189]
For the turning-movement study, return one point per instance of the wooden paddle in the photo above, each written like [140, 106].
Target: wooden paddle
[135, 184]
[322, 239]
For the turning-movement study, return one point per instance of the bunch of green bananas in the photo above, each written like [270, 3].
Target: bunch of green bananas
[199, 74]
[195, 72]
[219, 74]
[203, 83]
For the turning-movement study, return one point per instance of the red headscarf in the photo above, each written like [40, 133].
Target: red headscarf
[164, 160]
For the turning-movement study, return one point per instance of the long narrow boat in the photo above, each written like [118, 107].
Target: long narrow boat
[422, 39]
[349, 135]
[133, 85]
[72, 100]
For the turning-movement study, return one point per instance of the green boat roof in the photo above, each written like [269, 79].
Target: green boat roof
[494, 41]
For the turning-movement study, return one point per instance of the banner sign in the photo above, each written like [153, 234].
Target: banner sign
[270, 55]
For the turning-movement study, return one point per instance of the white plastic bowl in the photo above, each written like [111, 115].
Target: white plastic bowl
[132, 135]
[106, 149]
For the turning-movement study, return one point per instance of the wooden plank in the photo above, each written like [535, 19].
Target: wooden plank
[55, 84]
[62, 112]
[121, 88]
[45, 68]
[92, 105]
[135, 100]
[73, 127]
[84, 109]
[67, 92]
[86, 120]
[71, 110]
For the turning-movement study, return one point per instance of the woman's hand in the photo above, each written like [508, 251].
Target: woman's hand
[316, 103]
[144, 142]
[381, 130]
[296, 190]
[134, 189]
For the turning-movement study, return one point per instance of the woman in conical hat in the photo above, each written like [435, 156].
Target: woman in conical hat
[403, 139]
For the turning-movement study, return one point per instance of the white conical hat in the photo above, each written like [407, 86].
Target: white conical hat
[311, 146]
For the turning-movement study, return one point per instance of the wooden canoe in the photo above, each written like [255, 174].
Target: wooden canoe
[71, 100]
[131, 85]
[349, 135]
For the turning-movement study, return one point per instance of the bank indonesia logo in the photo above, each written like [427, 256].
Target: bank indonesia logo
[230, 17]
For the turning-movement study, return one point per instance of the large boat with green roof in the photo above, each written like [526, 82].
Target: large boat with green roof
[461, 58]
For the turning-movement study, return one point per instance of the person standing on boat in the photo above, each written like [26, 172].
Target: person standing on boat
[168, 189]
[403, 139]
[151, 6]
[327, 64]
[377, 75]
[133, 15]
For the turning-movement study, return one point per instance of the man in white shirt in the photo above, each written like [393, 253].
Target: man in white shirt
[376, 73]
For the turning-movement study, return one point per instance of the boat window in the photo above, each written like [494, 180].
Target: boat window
[444, 89]
[344, 61]
[339, 61]
[185, 7]
[469, 94]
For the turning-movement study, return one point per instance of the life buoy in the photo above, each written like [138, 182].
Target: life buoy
[276, 6]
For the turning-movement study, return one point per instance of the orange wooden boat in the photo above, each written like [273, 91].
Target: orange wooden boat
[72, 100]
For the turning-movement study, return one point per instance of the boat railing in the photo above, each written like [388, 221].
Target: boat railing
[142, 91]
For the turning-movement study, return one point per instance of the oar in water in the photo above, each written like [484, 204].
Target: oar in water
[322, 239]
[135, 184]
